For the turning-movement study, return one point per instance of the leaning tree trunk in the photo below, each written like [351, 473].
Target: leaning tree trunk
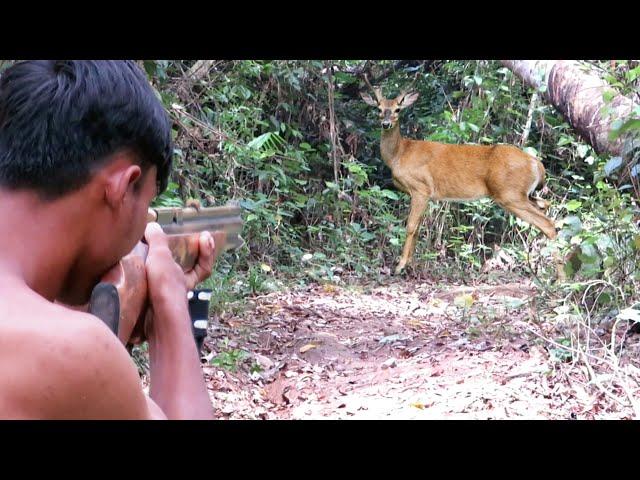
[578, 95]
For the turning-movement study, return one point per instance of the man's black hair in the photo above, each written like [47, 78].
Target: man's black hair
[60, 119]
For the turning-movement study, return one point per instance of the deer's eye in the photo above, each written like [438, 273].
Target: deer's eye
[397, 110]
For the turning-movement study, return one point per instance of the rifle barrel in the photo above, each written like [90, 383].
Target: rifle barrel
[178, 221]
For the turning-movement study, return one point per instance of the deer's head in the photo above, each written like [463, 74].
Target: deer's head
[389, 108]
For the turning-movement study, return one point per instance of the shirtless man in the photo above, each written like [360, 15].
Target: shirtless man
[84, 148]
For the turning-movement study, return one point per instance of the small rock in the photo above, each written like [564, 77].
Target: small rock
[390, 363]
[264, 362]
[460, 342]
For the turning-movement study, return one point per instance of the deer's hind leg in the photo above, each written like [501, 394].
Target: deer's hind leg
[540, 203]
[529, 211]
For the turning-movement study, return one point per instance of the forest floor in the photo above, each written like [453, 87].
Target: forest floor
[409, 349]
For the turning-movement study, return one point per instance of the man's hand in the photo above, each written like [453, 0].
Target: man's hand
[206, 258]
[160, 264]
[164, 276]
[177, 384]
[159, 256]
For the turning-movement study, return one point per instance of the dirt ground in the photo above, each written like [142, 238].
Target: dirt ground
[409, 349]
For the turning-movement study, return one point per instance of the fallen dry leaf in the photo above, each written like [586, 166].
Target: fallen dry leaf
[452, 372]
[307, 347]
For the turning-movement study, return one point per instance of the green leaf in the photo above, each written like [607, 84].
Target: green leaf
[631, 75]
[258, 142]
[464, 301]
[564, 141]
[618, 127]
[633, 124]
[572, 225]
[389, 194]
[612, 165]
[345, 77]
[589, 253]
[582, 150]
[573, 205]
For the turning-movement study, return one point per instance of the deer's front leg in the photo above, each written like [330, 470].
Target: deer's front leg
[418, 205]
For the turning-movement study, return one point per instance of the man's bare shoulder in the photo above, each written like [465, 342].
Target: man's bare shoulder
[60, 363]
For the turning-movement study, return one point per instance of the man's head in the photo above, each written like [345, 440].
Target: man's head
[60, 120]
[92, 139]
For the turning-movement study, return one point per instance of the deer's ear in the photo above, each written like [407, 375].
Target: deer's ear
[408, 99]
[368, 100]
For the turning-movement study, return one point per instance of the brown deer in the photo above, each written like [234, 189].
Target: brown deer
[437, 171]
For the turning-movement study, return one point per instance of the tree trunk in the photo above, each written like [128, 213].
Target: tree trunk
[200, 69]
[578, 95]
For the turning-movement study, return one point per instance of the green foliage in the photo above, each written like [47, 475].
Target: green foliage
[317, 210]
[229, 358]
[601, 232]
[560, 354]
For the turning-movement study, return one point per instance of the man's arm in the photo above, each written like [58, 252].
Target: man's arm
[177, 382]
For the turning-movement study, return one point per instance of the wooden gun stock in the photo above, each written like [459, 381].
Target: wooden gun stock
[121, 298]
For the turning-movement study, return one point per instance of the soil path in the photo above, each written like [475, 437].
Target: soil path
[405, 350]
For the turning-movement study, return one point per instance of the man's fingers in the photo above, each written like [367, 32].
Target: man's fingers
[209, 246]
[202, 269]
[154, 235]
[207, 251]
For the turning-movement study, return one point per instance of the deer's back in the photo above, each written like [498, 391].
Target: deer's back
[464, 172]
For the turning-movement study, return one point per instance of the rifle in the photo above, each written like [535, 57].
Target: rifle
[120, 299]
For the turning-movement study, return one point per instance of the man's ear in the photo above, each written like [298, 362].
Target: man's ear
[121, 180]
